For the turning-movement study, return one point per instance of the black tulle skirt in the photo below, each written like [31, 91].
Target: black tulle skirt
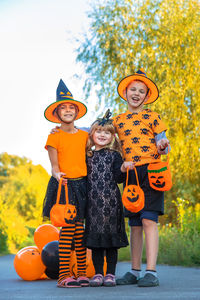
[77, 194]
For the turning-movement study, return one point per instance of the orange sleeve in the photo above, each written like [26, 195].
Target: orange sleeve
[157, 124]
[52, 141]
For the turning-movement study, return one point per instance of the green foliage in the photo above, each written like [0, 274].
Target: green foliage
[178, 244]
[21, 199]
[125, 35]
[181, 245]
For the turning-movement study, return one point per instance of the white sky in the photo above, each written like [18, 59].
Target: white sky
[36, 50]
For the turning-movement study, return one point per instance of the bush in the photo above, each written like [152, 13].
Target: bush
[179, 244]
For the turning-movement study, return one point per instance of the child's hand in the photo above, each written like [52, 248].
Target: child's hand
[127, 165]
[55, 129]
[162, 145]
[58, 176]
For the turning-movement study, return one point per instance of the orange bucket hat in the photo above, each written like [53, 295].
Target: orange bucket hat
[141, 76]
[63, 95]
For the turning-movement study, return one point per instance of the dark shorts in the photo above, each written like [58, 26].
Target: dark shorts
[154, 200]
[143, 214]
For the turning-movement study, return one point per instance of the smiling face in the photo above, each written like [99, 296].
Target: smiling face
[136, 95]
[67, 112]
[101, 137]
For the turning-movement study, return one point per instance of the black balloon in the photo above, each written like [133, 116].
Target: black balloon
[50, 256]
[51, 273]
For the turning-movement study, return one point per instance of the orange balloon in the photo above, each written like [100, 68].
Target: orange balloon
[29, 248]
[90, 271]
[28, 264]
[45, 234]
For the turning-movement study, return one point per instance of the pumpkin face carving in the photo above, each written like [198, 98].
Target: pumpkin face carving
[158, 181]
[70, 213]
[132, 195]
[62, 214]
[133, 198]
[160, 176]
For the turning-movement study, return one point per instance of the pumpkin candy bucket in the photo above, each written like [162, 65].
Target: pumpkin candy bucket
[133, 195]
[159, 175]
[62, 214]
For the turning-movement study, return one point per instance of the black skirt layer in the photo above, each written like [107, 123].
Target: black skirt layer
[154, 200]
[77, 195]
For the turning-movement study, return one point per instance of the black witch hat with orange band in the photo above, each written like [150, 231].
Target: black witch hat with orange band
[63, 95]
[140, 75]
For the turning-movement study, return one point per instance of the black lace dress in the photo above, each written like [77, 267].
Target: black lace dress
[105, 226]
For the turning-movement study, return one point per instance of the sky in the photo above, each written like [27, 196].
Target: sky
[37, 50]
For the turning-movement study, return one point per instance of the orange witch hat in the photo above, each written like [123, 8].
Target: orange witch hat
[141, 76]
[63, 95]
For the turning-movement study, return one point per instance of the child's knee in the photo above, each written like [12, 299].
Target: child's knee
[148, 223]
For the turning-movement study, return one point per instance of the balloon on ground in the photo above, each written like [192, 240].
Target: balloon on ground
[50, 256]
[28, 263]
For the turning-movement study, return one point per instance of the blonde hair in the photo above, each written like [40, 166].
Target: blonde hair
[115, 143]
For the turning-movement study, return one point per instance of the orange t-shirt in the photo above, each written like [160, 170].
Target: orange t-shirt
[136, 133]
[71, 152]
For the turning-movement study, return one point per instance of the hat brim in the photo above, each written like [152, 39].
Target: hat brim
[52, 117]
[153, 89]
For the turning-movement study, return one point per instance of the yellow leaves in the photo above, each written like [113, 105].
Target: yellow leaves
[21, 201]
[163, 37]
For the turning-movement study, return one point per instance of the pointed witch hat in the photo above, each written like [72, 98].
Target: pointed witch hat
[141, 76]
[63, 95]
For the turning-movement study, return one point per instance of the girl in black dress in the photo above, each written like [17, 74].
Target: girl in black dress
[105, 228]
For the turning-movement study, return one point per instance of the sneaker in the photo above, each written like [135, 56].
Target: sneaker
[148, 280]
[97, 280]
[109, 280]
[84, 281]
[128, 278]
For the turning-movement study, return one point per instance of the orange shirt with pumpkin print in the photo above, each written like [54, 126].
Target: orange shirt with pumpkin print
[71, 152]
[136, 132]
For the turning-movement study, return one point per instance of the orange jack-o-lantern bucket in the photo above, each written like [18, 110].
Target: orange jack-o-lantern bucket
[133, 196]
[62, 214]
[159, 175]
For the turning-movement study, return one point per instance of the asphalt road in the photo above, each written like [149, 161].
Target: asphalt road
[175, 283]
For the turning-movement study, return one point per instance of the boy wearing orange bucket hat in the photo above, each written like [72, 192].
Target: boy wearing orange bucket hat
[66, 149]
[143, 139]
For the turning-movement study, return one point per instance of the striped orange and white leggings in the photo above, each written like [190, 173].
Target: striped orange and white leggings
[68, 233]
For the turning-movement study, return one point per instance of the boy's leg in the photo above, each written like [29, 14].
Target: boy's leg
[151, 242]
[149, 221]
[136, 245]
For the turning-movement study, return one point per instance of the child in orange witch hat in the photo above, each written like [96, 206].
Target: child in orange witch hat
[66, 149]
[143, 139]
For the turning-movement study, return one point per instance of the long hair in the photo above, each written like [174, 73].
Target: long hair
[115, 143]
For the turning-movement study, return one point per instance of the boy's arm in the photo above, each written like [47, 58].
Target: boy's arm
[162, 143]
[53, 156]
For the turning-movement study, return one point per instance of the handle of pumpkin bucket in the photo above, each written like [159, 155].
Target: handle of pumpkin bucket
[136, 175]
[59, 192]
[168, 154]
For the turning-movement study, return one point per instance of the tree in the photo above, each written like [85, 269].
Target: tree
[163, 37]
[21, 200]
